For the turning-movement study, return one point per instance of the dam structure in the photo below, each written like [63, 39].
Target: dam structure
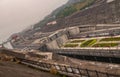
[55, 44]
[56, 40]
[91, 35]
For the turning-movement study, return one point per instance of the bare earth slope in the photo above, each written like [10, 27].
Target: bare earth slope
[9, 69]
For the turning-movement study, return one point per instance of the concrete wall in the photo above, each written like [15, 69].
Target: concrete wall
[97, 30]
[8, 45]
[40, 55]
[59, 58]
[52, 45]
[74, 31]
[106, 26]
[61, 40]
[85, 28]
[104, 32]
[57, 40]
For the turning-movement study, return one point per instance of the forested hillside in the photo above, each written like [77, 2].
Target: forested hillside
[69, 8]
[74, 7]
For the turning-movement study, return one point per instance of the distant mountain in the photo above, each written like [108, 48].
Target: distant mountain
[52, 16]
[73, 1]
[65, 10]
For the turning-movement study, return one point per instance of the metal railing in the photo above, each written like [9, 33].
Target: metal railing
[67, 70]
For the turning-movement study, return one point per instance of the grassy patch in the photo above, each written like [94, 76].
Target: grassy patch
[71, 45]
[76, 41]
[88, 43]
[111, 39]
[105, 45]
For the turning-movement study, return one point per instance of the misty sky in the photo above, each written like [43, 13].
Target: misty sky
[15, 15]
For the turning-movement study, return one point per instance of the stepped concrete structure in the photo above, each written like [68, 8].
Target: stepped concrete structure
[58, 38]
[55, 41]
[97, 21]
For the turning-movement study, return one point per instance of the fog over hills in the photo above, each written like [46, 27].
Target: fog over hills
[16, 15]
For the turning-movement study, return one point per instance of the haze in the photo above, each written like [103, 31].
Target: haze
[16, 15]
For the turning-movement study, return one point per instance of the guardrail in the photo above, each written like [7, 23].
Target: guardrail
[67, 70]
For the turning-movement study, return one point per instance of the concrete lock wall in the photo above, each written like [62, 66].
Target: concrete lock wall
[56, 43]
[108, 31]
[85, 28]
[52, 45]
[57, 57]
[74, 31]
[61, 40]
[57, 39]
[8, 45]
[106, 26]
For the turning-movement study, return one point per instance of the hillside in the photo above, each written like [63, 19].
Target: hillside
[59, 15]
[82, 4]
[69, 8]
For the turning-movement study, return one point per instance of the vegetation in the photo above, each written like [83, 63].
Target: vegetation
[53, 70]
[53, 15]
[88, 43]
[76, 41]
[69, 8]
[75, 7]
[111, 39]
[67, 11]
[105, 45]
[104, 42]
[71, 45]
